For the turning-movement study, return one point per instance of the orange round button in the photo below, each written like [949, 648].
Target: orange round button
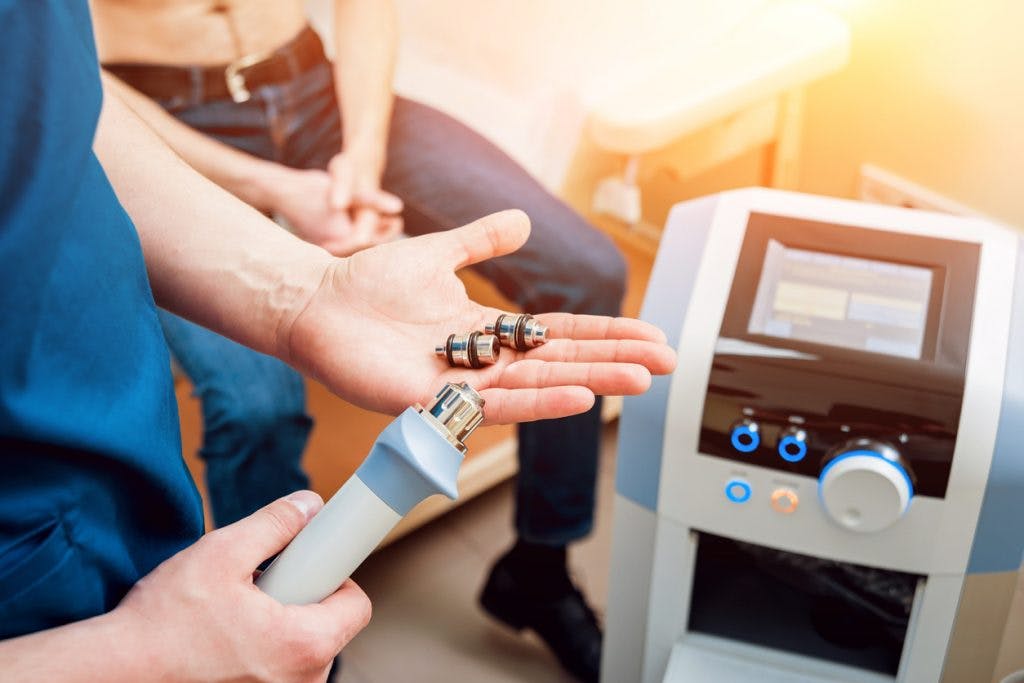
[784, 500]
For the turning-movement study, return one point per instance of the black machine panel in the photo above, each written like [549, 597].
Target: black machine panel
[834, 332]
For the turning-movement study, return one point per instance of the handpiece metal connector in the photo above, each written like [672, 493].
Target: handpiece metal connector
[455, 412]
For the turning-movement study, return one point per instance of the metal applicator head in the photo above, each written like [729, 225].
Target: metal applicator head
[473, 350]
[521, 332]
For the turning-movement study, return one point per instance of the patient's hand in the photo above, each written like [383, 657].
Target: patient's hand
[355, 190]
[370, 330]
[302, 198]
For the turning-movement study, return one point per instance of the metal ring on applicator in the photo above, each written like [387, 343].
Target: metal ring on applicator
[521, 331]
[473, 350]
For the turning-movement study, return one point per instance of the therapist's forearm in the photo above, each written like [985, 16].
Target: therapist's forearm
[210, 257]
[99, 649]
[364, 63]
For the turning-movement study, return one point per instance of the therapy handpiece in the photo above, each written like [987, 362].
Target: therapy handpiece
[415, 457]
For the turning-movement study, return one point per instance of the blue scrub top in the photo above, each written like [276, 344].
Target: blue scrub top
[93, 490]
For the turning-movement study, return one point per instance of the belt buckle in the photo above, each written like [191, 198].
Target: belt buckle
[235, 79]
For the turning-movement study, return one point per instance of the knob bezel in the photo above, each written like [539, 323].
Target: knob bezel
[876, 447]
[867, 451]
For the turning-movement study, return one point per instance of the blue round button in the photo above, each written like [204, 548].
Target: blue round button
[792, 449]
[745, 437]
[738, 490]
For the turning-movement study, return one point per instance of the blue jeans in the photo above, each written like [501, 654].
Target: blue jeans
[254, 421]
[447, 176]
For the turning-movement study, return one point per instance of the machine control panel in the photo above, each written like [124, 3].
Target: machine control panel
[833, 333]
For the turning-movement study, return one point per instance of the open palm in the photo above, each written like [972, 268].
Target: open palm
[369, 333]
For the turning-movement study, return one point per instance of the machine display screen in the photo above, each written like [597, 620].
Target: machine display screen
[856, 303]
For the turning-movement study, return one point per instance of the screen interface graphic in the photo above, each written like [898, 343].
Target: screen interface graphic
[844, 301]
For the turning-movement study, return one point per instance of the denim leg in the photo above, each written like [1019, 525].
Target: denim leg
[448, 175]
[254, 421]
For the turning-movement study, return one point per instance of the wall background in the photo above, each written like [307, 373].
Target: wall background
[934, 92]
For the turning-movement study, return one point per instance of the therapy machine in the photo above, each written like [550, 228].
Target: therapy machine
[831, 485]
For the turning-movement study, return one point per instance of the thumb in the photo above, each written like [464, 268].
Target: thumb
[253, 539]
[495, 235]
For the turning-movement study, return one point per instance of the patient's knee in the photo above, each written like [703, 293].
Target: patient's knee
[237, 419]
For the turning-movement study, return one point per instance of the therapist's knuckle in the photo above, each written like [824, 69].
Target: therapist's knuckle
[363, 612]
[357, 615]
[282, 520]
[307, 647]
[209, 547]
[494, 236]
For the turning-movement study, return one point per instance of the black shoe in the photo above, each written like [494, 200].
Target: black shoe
[565, 622]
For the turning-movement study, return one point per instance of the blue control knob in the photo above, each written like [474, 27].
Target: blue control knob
[865, 485]
[746, 436]
[793, 444]
[738, 490]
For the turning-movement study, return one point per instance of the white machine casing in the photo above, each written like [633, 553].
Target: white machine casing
[669, 493]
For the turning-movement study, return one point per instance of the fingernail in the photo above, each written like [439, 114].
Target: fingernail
[305, 502]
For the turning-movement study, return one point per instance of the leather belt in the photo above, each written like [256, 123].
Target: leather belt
[236, 80]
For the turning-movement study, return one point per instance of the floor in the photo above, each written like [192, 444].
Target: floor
[434, 613]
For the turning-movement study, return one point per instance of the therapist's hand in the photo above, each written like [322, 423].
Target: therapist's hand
[370, 330]
[199, 617]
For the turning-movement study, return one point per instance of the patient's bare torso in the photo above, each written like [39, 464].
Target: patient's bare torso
[192, 31]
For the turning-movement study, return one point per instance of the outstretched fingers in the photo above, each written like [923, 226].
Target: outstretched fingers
[601, 378]
[657, 358]
[508, 406]
[569, 326]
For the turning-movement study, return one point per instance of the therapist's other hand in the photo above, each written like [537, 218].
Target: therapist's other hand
[199, 616]
[370, 330]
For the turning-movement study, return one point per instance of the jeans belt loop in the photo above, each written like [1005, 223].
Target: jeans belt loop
[235, 79]
[197, 87]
